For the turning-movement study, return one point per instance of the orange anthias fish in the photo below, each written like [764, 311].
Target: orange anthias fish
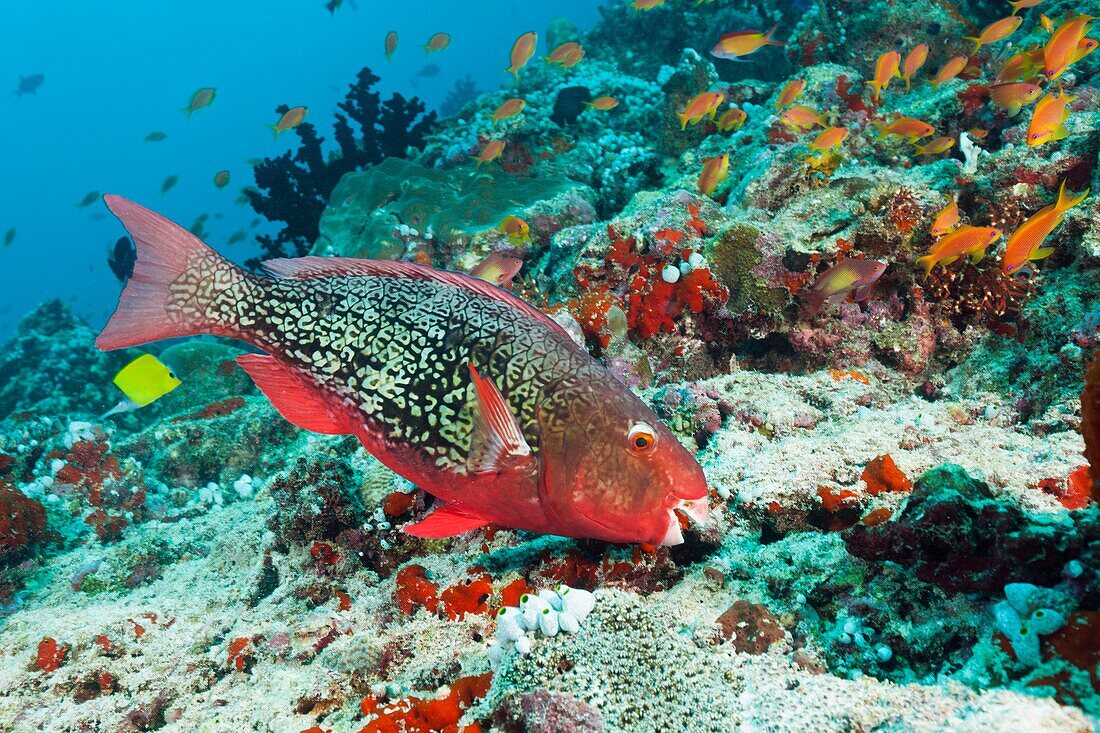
[498, 270]
[714, 172]
[202, 98]
[848, 276]
[802, 118]
[886, 68]
[437, 42]
[996, 31]
[966, 240]
[290, 119]
[566, 54]
[1018, 5]
[391, 45]
[1084, 47]
[517, 230]
[1048, 120]
[648, 4]
[731, 119]
[1060, 49]
[946, 219]
[1014, 96]
[829, 138]
[790, 93]
[913, 62]
[509, 108]
[950, 70]
[1026, 243]
[489, 406]
[1022, 65]
[907, 127]
[935, 147]
[741, 43]
[603, 103]
[492, 150]
[704, 104]
[522, 51]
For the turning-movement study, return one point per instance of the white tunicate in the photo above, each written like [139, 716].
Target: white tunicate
[551, 597]
[685, 268]
[850, 626]
[884, 652]
[523, 645]
[670, 273]
[531, 606]
[1019, 596]
[568, 623]
[1074, 568]
[548, 622]
[697, 261]
[508, 629]
[576, 601]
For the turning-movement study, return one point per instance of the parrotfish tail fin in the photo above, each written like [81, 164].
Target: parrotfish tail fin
[176, 285]
[927, 262]
[769, 41]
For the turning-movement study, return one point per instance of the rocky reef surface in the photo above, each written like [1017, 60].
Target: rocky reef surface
[904, 534]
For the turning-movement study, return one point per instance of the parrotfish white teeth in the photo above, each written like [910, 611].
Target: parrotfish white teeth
[695, 509]
[673, 535]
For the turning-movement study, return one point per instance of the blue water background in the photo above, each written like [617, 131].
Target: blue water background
[116, 70]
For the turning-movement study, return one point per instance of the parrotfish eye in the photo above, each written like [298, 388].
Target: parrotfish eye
[642, 438]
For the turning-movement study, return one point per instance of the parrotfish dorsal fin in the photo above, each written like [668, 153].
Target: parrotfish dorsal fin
[497, 440]
[446, 521]
[293, 396]
[304, 268]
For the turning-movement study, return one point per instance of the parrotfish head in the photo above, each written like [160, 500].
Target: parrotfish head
[611, 470]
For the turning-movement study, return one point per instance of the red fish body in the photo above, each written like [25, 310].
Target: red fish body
[457, 385]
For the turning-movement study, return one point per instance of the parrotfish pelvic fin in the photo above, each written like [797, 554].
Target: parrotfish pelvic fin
[497, 443]
[293, 397]
[446, 521]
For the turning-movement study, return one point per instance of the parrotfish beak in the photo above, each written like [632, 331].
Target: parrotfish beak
[696, 511]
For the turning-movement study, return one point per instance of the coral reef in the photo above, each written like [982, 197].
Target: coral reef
[294, 188]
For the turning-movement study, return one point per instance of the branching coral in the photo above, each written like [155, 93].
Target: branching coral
[295, 187]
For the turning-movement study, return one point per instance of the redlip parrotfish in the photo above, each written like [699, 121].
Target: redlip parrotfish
[522, 51]
[849, 276]
[1026, 243]
[996, 31]
[1048, 120]
[200, 99]
[497, 269]
[741, 43]
[965, 241]
[457, 385]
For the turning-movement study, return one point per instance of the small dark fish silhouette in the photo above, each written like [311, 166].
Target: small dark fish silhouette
[169, 182]
[90, 198]
[427, 72]
[97, 216]
[9, 236]
[29, 84]
[121, 259]
[155, 136]
[238, 236]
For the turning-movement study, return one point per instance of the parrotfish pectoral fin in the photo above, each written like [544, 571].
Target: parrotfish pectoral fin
[446, 521]
[497, 440]
[293, 396]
